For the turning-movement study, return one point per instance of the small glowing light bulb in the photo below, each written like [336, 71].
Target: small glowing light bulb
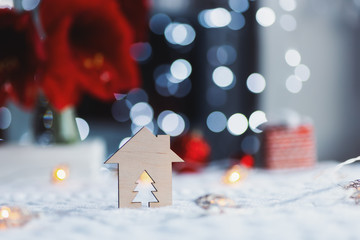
[5, 212]
[60, 173]
[234, 175]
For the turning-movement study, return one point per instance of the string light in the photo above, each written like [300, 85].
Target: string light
[60, 173]
[216, 201]
[4, 212]
[14, 217]
[234, 175]
[355, 185]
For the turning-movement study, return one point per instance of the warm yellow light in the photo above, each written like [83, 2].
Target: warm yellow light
[234, 177]
[5, 212]
[60, 173]
[222, 202]
[14, 217]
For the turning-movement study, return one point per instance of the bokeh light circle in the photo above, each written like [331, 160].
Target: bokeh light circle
[135, 128]
[140, 51]
[180, 33]
[216, 121]
[171, 123]
[180, 69]
[29, 5]
[256, 83]
[250, 144]
[237, 124]
[123, 141]
[288, 22]
[293, 84]
[5, 118]
[265, 16]
[158, 23]
[223, 77]
[239, 5]
[141, 114]
[237, 21]
[288, 5]
[214, 18]
[256, 119]
[303, 72]
[292, 57]
[83, 128]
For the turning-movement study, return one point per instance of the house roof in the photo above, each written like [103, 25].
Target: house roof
[145, 145]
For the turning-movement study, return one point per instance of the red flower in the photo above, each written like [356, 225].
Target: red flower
[195, 151]
[20, 55]
[2, 96]
[88, 44]
[136, 11]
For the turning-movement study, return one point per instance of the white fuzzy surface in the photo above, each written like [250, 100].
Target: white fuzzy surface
[301, 204]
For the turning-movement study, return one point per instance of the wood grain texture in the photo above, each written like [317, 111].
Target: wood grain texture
[145, 152]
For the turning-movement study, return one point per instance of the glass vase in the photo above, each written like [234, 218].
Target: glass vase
[54, 127]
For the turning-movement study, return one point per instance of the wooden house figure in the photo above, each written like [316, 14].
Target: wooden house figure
[149, 154]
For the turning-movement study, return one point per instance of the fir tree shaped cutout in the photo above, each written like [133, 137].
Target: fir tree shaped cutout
[145, 189]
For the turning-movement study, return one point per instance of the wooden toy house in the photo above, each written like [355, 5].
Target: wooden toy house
[145, 155]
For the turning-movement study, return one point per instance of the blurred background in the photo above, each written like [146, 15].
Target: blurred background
[223, 68]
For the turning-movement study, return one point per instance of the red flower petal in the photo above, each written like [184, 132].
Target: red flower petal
[20, 55]
[3, 96]
[60, 81]
[136, 11]
[88, 46]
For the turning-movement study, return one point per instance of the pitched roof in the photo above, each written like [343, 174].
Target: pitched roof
[145, 145]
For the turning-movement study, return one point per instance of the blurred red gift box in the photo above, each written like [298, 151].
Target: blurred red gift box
[289, 147]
